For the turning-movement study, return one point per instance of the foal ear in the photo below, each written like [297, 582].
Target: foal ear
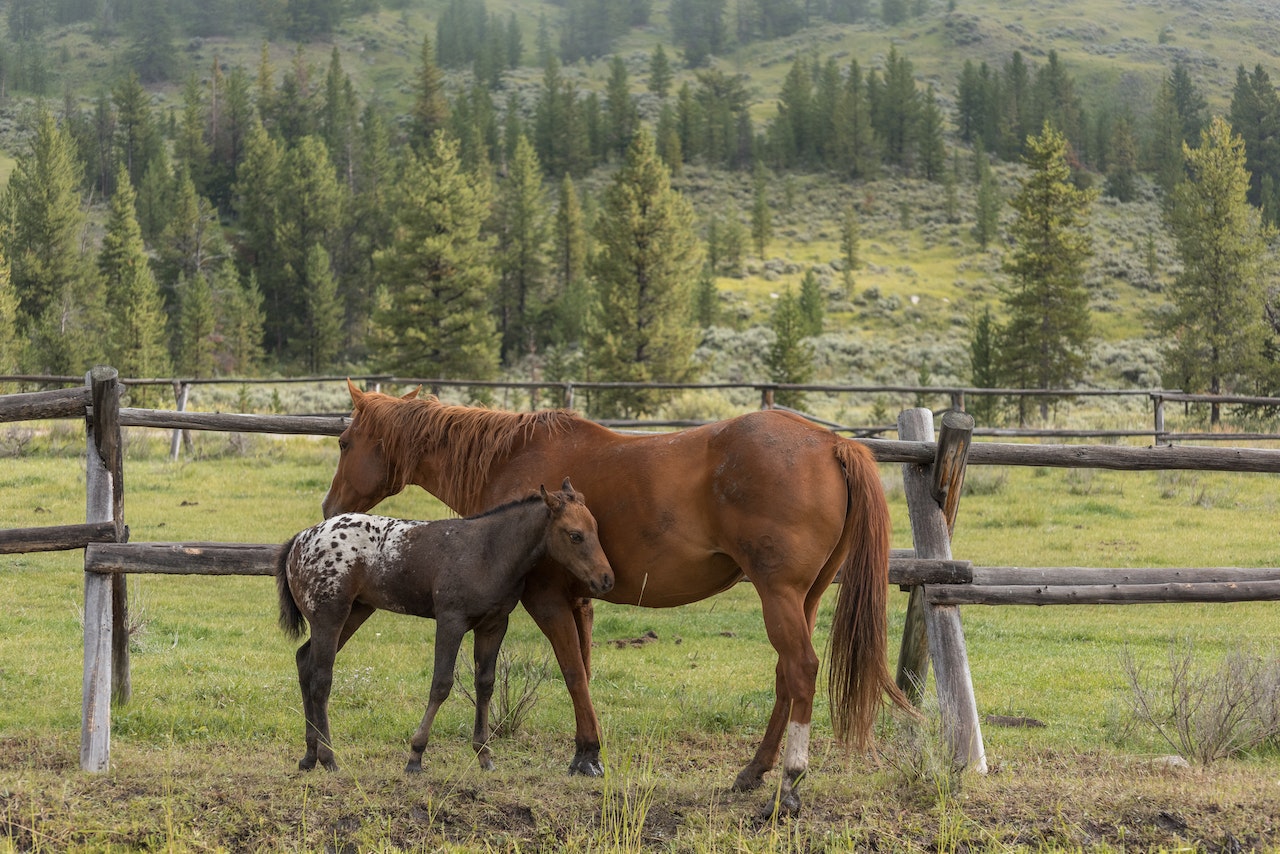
[412, 395]
[566, 486]
[554, 501]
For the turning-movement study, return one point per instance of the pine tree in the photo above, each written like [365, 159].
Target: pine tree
[60, 305]
[1217, 325]
[321, 333]
[1122, 170]
[761, 215]
[986, 216]
[660, 74]
[10, 346]
[571, 297]
[308, 212]
[192, 240]
[430, 106]
[1044, 343]
[644, 270]
[812, 305]
[621, 116]
[523, 235]
[850, 247]
[438, 318]
[138, 345]
[984, 362]
[240, 320]
[195, 354]
[790, 359]
[706, 298]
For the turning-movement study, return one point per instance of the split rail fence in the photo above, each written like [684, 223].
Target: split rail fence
[933, 475]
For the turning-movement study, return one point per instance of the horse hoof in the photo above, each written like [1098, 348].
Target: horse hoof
[747, 781]
[329, 764]
[307, 763]
[486, 764]
[784, 807]
[414, 766]
[586, 764]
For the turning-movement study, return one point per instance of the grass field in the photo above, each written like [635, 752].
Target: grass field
[204, 755]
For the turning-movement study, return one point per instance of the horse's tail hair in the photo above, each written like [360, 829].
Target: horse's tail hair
[857, 662]
[292, 623]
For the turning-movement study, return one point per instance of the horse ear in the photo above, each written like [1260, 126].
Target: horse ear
[357, 396]
[412, 395]
[555, 502]
[566, 486]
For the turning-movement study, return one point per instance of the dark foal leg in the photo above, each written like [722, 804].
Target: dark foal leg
[448, 638]
[315, 675]
[555, 615]
[488, 642]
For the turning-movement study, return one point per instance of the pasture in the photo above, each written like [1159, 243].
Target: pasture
[204, 755]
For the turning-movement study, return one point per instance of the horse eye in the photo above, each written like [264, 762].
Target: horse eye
[343, 444]
[575, 538]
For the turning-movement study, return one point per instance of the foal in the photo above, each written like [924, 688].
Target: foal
[468, 574]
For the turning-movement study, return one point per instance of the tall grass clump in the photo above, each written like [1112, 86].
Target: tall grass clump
[1208, 712]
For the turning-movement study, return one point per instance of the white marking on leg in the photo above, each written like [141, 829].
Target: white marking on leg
[796, 760]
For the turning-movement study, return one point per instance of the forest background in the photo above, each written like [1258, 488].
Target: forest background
[763, 190]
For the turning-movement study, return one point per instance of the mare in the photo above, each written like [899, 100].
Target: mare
[466, 573]
[682, 516]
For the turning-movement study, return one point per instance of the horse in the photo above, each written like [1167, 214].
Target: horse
[682, 516]
[467, 574]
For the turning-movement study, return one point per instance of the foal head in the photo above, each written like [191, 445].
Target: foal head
[573, 541]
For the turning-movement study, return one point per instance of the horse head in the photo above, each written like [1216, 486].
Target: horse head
[573, 540]
[364, 475]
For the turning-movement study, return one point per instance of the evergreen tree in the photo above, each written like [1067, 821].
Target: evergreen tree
[1188, 102]
[523, 235]
[984, 366]
[1255, 117]
[137, 139]
[191, 241]
[698, 29]
[1217, 326]
[1122, 171]
[1163, 152]
[308, 212]
[761, 215]
[660, 74]
[195, 353]
[138, 345]
[569, 267]
[438, 318]
[191, 151]
[932, 149]
[151, 53]
[431, 106]
[1044, 343]
[60, 305]
[621, 116]
[321, 333]
[896, 115]
[240, 320]
[790, 359]
[812, 305]
[850, 247]
[986, 216]
[644, 271]
[706, 299]
[10, 346]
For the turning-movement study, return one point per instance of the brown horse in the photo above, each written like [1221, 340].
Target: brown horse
[682, 516]
[467, 574]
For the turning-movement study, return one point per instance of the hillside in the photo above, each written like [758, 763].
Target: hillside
[922, 276]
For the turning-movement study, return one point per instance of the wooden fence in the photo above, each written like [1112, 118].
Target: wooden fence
[933, 475]
[564, 393]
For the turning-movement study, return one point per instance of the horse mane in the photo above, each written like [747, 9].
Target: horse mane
[466, 440]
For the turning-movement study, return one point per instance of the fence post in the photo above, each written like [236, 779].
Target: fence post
[766, 397]
[106, 640]
[1158, 401]
[930, 530]
[181, 391]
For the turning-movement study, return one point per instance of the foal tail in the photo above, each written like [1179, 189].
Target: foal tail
[859, 671]
[292, 623]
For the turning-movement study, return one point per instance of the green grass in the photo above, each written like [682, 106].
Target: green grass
[203, 754]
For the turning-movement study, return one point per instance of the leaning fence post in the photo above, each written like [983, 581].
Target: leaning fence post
[106, 640]
[939, 625]
[181, 392]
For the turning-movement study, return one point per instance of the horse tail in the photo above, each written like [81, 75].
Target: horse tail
[292, 622]
[857, 662]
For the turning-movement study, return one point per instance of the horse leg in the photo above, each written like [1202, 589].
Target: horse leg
[752, 776]
[584, 616]
[554, 613]
[787, 625]
[448, 638]
[315, 675]
[488, 642]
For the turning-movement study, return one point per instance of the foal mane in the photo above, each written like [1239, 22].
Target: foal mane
[466, 440]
